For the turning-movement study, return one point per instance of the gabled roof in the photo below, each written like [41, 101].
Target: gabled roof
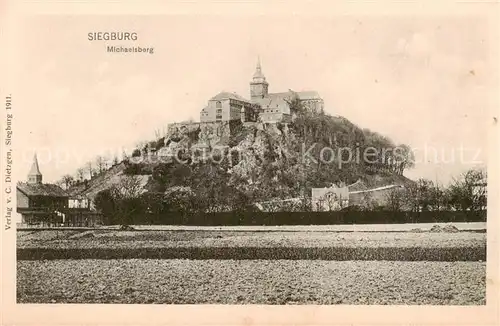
[277, 101]
[309, 95]
[302, 95]
[41, 189]
[283, 95]
[280, 100]
[228, 95]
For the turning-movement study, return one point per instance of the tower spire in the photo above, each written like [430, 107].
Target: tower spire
[258, 85]
[258, 70]
[35, 176]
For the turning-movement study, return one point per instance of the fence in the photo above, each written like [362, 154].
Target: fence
[70, 218]
[309, 218]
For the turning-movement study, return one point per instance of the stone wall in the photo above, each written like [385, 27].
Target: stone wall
[315, 105]
[373, 197]
[271, 116]
[211, 133]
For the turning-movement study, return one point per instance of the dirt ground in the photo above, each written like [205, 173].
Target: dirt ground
[251, 281]
[156, 239]
[255, 281]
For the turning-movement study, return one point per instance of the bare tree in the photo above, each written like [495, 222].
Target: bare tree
[66, 181]
[368, 202]
[127, 196]
[80, 174]
[125, 156]
[402, 158]
[90, 170]
[469, 191]
[158, 133]
[395, 200]
[101, 164]
[129, 187]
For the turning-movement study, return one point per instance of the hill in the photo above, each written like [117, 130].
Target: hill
[113, 177]
[231, 165]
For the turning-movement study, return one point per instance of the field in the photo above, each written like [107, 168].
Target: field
[157, 244]
[157, 239]
[264, 266]
[251, 281]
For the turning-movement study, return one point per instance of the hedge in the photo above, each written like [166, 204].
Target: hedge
[475, 253]
[308, 218]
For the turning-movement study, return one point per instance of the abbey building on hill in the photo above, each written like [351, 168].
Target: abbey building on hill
[261, 107]
[225, 111]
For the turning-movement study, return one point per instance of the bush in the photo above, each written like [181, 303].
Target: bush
[180, 210]
[476, 253]
[136, 153]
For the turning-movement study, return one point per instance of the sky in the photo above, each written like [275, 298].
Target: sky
[424, 81]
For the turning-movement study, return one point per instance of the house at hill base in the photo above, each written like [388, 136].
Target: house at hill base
[329, 199]
[336, 198]
[78, 201]
[47, 205]
[380, 196]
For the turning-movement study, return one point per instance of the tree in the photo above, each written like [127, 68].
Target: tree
[395, 200]
[181, 200]
[123, 201]
[67, 181]
[410, 196]
[368, 202]
[424, 195]
[101, 164]
[404, 158]
[438, 198]
[125, 156]
[80, 174]
[468, 192]
[136, 152]
[127, 202]
[129, 187]
[105, 204]
[90, 169]
[145, 149]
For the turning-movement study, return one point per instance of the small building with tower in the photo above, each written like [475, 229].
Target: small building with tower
[47, 205]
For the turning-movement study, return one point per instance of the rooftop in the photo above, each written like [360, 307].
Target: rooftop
[308, 95]
[41, 189]
[278, 101]
[35, 170]
[228, 95]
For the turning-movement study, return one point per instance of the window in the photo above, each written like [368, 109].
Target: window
[218, 104]
[219, 111]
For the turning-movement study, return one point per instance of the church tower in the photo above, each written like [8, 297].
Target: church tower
[34, 176]
[258, 85]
